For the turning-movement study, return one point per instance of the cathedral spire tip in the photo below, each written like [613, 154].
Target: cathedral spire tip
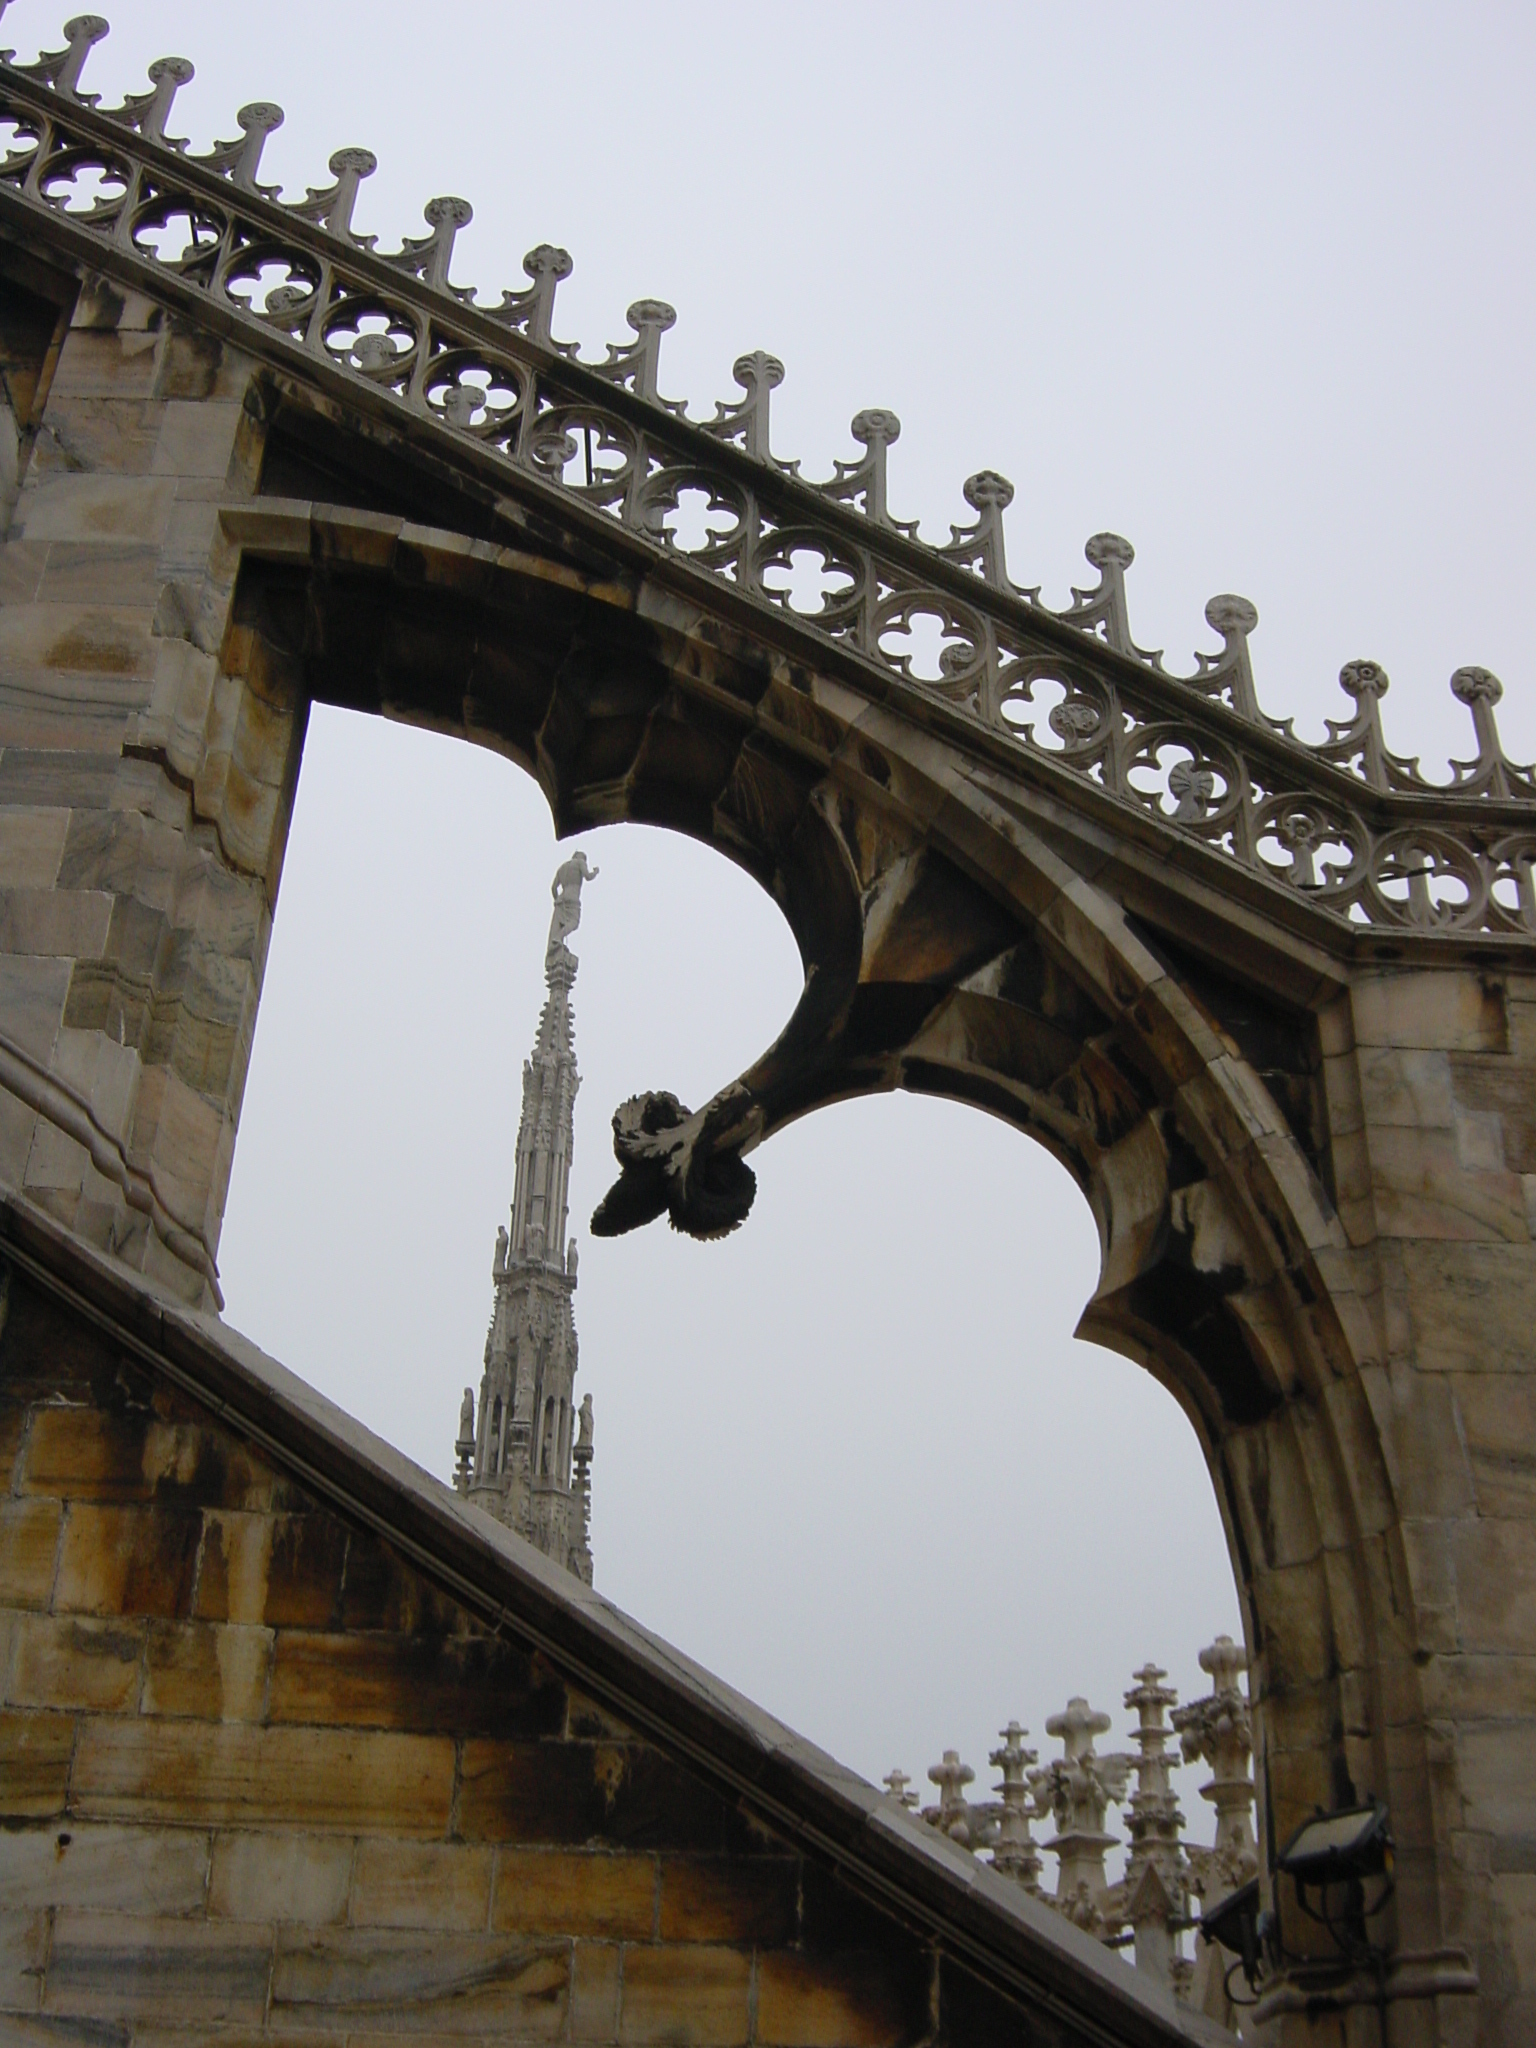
[527, 1457]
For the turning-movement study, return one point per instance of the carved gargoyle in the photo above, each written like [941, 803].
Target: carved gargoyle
[672, 1164]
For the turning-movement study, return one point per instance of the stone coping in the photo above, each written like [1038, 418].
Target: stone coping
[888, 1855]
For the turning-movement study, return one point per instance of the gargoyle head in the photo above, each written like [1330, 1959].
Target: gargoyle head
[669, 1166]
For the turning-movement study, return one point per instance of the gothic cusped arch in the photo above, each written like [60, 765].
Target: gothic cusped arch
[954, 943]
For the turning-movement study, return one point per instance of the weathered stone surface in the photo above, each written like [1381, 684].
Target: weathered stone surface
[438, 1984]
[730, 1899]
[1309, 1152]
[115, 1966]
[410, 1682]
[420, 1884]
[129, 1560]
[838, 2001]
[242, 1830]
[69, 1661]
[581, 1792]
[31, 845]
[161, 1872]
[35, 1753]
[279, 1875]
[29, 1537]
[595, 1991]
[283, 1570]
[591, 1893]
[206, 1672]
[224, 1775]
[697, 1997]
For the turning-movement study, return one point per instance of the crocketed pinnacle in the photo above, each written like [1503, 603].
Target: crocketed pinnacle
[527, 1457]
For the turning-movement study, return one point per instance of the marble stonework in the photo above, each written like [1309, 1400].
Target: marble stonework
[1310, 1152]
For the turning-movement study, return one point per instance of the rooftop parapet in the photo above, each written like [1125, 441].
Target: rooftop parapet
[1357, 834]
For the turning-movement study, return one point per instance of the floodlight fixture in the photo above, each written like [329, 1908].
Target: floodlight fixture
[1340, 1848]
[1234, 1923]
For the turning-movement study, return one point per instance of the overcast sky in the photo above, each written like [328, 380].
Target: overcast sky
[1252, 286]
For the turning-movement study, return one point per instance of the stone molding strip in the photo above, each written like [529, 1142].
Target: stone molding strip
[49, 1097]
[1410, 1974]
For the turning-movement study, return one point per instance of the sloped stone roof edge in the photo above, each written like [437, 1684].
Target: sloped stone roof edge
[894, 1860]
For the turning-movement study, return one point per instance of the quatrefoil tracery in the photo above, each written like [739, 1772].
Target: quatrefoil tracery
[1195, 753]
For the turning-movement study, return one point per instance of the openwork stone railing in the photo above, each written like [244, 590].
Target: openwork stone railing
[1151, 1905]
[1350, 830]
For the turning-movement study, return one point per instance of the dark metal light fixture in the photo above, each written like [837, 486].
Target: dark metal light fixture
[1342, 1852]
[1340, 1848]
[1234, 1922]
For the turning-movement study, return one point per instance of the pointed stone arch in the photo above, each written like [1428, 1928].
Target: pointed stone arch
[954, 944]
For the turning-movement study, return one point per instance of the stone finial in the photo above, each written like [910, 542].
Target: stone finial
[637, 363]
[875, 429]
[861, 484]
[973, 1827]
[533, 310]
[1105, 609]
[746, 420]
[1155, 1878]
[429, 256]
[330, 207]
[1015, 1852]
[1218, 1731]
[651, 319]
[1234, 618]
[981, 548]
[148, 112]
[1360, 738]
[951, 1776]
[1081, 1785]
[62, 68]
[1492, 773]
[897, 1785]
[240, 161]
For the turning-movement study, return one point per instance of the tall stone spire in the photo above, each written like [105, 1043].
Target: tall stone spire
[528, 1462]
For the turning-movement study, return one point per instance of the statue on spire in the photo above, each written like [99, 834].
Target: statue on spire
[566, 890]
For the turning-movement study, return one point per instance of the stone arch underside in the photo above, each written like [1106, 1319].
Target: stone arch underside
[958, 939]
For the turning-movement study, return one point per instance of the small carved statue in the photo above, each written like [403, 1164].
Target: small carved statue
[584, 1424]
[570, 1260]
[467, 1417]
[501, 1250]
[566, 890]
